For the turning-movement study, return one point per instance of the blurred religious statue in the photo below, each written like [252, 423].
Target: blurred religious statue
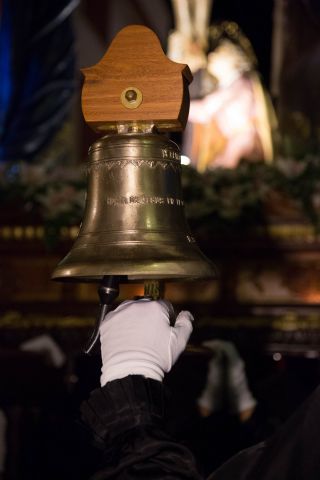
[231, 117]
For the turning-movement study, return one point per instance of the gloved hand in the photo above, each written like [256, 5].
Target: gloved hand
[137, 339]
[226, 376]
[212, 397]
[240, 397]
[44, 344]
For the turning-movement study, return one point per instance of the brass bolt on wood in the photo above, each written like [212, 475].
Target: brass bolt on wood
[131, 97]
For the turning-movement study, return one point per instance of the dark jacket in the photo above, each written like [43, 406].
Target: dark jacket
[127, 420]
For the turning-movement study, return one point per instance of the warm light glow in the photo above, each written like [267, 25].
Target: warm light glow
[311, 296]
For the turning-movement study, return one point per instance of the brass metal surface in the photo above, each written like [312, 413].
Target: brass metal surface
[131, 97]
[134, 222]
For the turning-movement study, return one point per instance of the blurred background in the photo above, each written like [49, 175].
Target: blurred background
[251, 182]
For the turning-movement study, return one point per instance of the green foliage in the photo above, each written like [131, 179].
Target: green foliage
[217, 201]
[232, 198]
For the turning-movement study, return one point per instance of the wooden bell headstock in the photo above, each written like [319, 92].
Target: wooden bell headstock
[135, 83]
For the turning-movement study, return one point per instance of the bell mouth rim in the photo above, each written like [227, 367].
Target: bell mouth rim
[208, 272]
[135, 279]
[163, 265]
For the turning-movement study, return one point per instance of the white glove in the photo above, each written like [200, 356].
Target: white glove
[212, 396]
[137, 339]
[44, 344]
[239, 395]
[226, 371]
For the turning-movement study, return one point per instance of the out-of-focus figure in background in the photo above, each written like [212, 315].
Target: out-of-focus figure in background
[226, 383]
[231, 121]
[230, 117]
[230, 418]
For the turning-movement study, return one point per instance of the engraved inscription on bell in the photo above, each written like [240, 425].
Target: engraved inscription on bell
[144, 200]
[170, 154]
[134, 222]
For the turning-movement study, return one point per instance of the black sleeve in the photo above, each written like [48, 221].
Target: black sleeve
[126, 417]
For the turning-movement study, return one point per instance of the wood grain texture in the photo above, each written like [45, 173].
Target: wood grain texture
[135, 59]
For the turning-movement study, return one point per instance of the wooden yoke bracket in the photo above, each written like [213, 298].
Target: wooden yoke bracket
[135, 83]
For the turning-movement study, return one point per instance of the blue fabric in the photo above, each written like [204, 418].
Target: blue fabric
[37, 62]
[5, 63]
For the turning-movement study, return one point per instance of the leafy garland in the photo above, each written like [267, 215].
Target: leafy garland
[254, 194]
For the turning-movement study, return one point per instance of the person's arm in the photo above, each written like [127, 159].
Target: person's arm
[138, 345]
[126, 416]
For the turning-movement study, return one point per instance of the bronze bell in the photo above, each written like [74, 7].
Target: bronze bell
[134, 223]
